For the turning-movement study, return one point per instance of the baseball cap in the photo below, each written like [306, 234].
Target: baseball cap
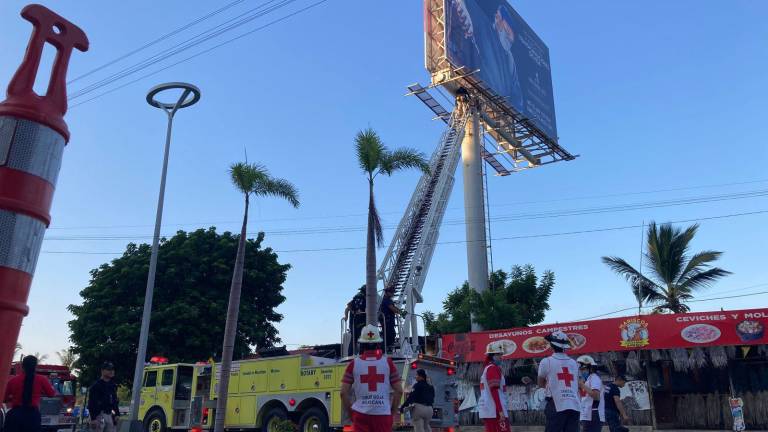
[107, 366]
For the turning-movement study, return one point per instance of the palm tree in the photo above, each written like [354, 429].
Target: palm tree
[374, 158]
[67, 358]
[40, 357]
[674, 274]
[249, 179]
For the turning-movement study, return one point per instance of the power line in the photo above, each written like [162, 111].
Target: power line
[462, 221]
[347, 215]
[543, 235]
[213, 32]
[158, 40]
[689, 301]
[299, 11]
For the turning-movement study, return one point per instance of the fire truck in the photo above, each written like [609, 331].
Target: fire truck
[263, 392]
[56, 412]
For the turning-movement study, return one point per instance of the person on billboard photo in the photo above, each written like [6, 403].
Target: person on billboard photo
[463, 46]
[482, 39]
[510, 79]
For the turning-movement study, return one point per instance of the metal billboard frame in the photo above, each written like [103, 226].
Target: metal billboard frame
[515, 135]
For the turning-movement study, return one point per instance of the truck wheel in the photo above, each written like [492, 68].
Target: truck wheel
[314, 420]
[154, 422]
[273, 419]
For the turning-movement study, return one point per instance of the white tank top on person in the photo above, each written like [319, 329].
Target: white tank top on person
[562, 375]
[371, 386]
[486, 406]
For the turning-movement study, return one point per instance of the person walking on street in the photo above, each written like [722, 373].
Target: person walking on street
[492, 406]
[558, 375]
[592, 402]
[102, 401]
[421, 397]
[615, 413]
[22, 395]
[373, 379]
[355, 316]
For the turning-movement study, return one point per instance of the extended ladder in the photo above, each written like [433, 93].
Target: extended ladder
[407, 260]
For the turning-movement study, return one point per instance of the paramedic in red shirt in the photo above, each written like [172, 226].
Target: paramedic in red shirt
[373, 379]
[22, 395]
[493, 399]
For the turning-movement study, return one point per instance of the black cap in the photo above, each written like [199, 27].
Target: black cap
[107, 366]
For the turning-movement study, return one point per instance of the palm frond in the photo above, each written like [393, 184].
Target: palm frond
[643, 288]
[404, 158]
[370, 150]
[276, 187]
[244, 176]
[703, 279]
[375, 219]
[667, 248]
[698, 262]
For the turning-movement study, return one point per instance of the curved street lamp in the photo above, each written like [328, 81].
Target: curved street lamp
[190, 95]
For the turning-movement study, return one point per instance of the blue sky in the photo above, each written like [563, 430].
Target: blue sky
[654, 96]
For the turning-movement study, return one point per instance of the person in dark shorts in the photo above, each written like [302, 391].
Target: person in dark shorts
[615, 413]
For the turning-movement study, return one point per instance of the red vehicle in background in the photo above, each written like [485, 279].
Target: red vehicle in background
[56, 412]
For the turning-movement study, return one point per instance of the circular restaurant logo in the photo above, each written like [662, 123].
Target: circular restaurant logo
[634, 333]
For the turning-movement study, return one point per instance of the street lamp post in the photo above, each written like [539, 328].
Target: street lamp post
[190, 95]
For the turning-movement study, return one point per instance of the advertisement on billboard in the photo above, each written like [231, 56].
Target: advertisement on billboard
[644, 332]
[488, 36]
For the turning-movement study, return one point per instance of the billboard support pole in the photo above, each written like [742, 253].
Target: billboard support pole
[474, 204]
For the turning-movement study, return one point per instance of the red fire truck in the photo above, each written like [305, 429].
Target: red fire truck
[56, 412]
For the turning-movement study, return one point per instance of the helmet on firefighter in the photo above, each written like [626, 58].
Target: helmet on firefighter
[495, 348]
[370, 335]
[586, 361]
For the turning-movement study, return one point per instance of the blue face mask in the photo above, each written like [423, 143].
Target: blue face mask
[585, 374]
[497, 361]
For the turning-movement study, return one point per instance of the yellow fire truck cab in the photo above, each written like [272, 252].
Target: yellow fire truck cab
[263, 392]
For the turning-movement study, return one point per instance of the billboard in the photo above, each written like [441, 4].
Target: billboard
[488, 36]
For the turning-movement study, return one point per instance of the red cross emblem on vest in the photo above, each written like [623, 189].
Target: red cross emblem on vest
[565, 377]
[370, 335]
[372, 379]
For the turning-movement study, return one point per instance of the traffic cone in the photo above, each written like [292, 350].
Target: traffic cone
[32, 139]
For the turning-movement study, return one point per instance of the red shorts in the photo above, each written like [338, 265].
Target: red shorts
[496, 425]
[371, 423]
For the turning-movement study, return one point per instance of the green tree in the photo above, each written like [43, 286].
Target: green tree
[374, 159]
[515, 299]
[249, 179]
[674, 276]
[193, 278]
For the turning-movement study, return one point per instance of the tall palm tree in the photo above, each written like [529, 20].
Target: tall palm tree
[40, 357]
[249, 179]
[374, 159]
[674, 275]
